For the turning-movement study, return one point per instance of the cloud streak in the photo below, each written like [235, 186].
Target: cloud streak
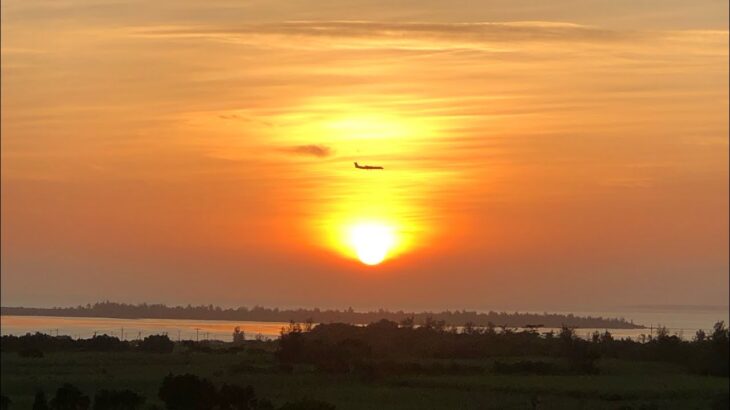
[359, 34]
[317, 151]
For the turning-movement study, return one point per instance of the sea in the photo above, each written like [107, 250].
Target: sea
[683, 321]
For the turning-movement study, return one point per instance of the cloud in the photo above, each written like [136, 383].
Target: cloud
[399, 35]
[484, 31]
[319, 151]
[495, 37]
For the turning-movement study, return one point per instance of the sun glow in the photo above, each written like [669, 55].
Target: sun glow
[370, 216]
[372, 242]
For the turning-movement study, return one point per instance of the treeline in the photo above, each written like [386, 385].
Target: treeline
[34, 345]
[316, 315]
[177, 392]
[387, 347]
[383, 347]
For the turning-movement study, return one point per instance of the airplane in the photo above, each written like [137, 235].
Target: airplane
[366, 166]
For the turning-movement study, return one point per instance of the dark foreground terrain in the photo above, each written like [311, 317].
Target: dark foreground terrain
[381, 366]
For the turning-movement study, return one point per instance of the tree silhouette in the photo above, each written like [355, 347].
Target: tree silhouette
[69, 397]
[40, 402]
[187, 392]
[157, 344]
[117, 400]
[5, 402]
[233, 397]
[700, 336]
[307, 404]
[238, 336]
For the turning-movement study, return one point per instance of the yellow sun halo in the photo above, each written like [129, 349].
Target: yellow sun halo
[371, 242]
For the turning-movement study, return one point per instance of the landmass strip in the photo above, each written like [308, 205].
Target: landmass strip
[316, 315]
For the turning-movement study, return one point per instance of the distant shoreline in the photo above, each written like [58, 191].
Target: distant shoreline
[113, 310]
[686, 308]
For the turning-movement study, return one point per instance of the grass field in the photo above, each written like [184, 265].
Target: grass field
[619, 385]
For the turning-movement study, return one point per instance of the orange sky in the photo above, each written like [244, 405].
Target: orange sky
[570, 155]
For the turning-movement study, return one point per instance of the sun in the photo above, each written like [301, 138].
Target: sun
[372, 242]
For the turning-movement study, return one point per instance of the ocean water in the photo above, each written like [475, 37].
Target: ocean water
[674, 318]
[128, 329]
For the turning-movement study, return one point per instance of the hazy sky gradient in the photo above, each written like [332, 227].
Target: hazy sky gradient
[539, 155]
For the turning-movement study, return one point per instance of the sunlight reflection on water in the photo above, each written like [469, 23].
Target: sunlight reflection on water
[182, 329]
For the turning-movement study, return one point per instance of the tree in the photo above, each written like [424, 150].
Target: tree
[291, 344]
[5, 402]
[307, 404]
[104, 343]
[720, 333]
[157, 344]
[187, 392]
[238, 336]
[662, 333]
[567, 335]
[117, 400]
[720, 362]
[407, 322]
[233, 397]
[69, 397]
[40, 402]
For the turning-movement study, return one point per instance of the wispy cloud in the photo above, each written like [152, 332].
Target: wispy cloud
[365, 34]
[319, 151]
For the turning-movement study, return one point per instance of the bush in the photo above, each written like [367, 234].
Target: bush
[201, 347]
[103, 343]
[157, 344]
[244, 368]
[69, 397]
[40, 403]
[528, 367]
[117, 400]
[307, 404]
[187, 392]
[721, 402]
[232, 397]
[31, 353]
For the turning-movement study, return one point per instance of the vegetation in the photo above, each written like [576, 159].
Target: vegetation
[342, 348]
[40, 402]
[182, 392]
[69, 397]
[262, 314]
[34, 345]
[117, 400]
[383, 365]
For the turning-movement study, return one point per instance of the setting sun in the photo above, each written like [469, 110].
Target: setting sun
[365, 187]
[371, 242]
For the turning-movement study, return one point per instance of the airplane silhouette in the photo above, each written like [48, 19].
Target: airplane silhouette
[366, 166]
